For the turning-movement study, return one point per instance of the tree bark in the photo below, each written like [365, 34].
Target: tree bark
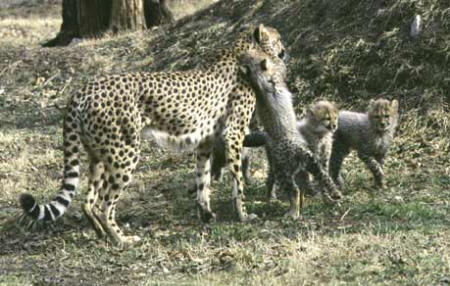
[94, 17]
[69, 27]
[127, 15]
[157, 13]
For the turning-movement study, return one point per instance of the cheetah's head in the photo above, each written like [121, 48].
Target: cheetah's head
[270, 41]
[323, 115]
[266, 74]
[383, 114]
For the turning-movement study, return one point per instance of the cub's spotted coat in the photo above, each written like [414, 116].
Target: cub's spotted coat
[317, 129]
[289, 153]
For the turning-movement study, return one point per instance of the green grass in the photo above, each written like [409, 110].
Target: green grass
[348, 51]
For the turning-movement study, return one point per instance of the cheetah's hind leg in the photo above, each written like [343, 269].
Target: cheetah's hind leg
[117, 179]
[96, 174]
[288, 185]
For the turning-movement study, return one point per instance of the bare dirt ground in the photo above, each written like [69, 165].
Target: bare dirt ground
[348, 51]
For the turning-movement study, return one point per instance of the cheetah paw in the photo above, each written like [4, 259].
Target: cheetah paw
[380, 186]
[252, 217]
[327, 199]
[248, 217]
[130, 240]
[337, 195]
[294, 215]
[272, 199]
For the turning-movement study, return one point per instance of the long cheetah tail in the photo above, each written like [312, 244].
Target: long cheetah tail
[57, 207]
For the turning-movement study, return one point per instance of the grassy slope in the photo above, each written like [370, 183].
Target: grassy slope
[348, 52]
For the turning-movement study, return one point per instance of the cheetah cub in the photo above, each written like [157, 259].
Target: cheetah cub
[370, 134]
[317, 128]
[289, 154]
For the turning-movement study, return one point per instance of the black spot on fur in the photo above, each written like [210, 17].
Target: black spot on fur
[27, 202]
[47, 215]
[55, 211]
[68, 187]
[72, 175]
[62, 201]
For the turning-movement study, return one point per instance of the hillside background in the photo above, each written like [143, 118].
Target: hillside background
[347, 51]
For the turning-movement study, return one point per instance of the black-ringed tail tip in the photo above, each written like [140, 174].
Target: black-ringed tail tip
[46, 212]
[28, 204]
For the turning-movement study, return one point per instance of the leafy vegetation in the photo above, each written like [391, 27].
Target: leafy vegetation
[347, 51]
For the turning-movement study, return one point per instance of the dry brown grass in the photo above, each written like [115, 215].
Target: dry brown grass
[182, 8]
[395, 237]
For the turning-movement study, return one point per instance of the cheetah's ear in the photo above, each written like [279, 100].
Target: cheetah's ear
[259, 33]
[394, 106]
[370, 107]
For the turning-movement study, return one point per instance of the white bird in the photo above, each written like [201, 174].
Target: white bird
[416, 26]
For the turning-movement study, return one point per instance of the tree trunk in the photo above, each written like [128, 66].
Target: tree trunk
[94, 17]
[157, 13]
[69, 27]
[127, 15]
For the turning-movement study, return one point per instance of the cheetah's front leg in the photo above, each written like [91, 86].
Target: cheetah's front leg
[203, 180]
[234, 143]
[375, 168]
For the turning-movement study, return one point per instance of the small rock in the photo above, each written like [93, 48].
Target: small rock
[381, 12]
[416, 26]
[40, 80]
[75, 41]
[165, 270]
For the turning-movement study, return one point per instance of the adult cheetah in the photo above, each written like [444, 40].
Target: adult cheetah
[186, 110]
